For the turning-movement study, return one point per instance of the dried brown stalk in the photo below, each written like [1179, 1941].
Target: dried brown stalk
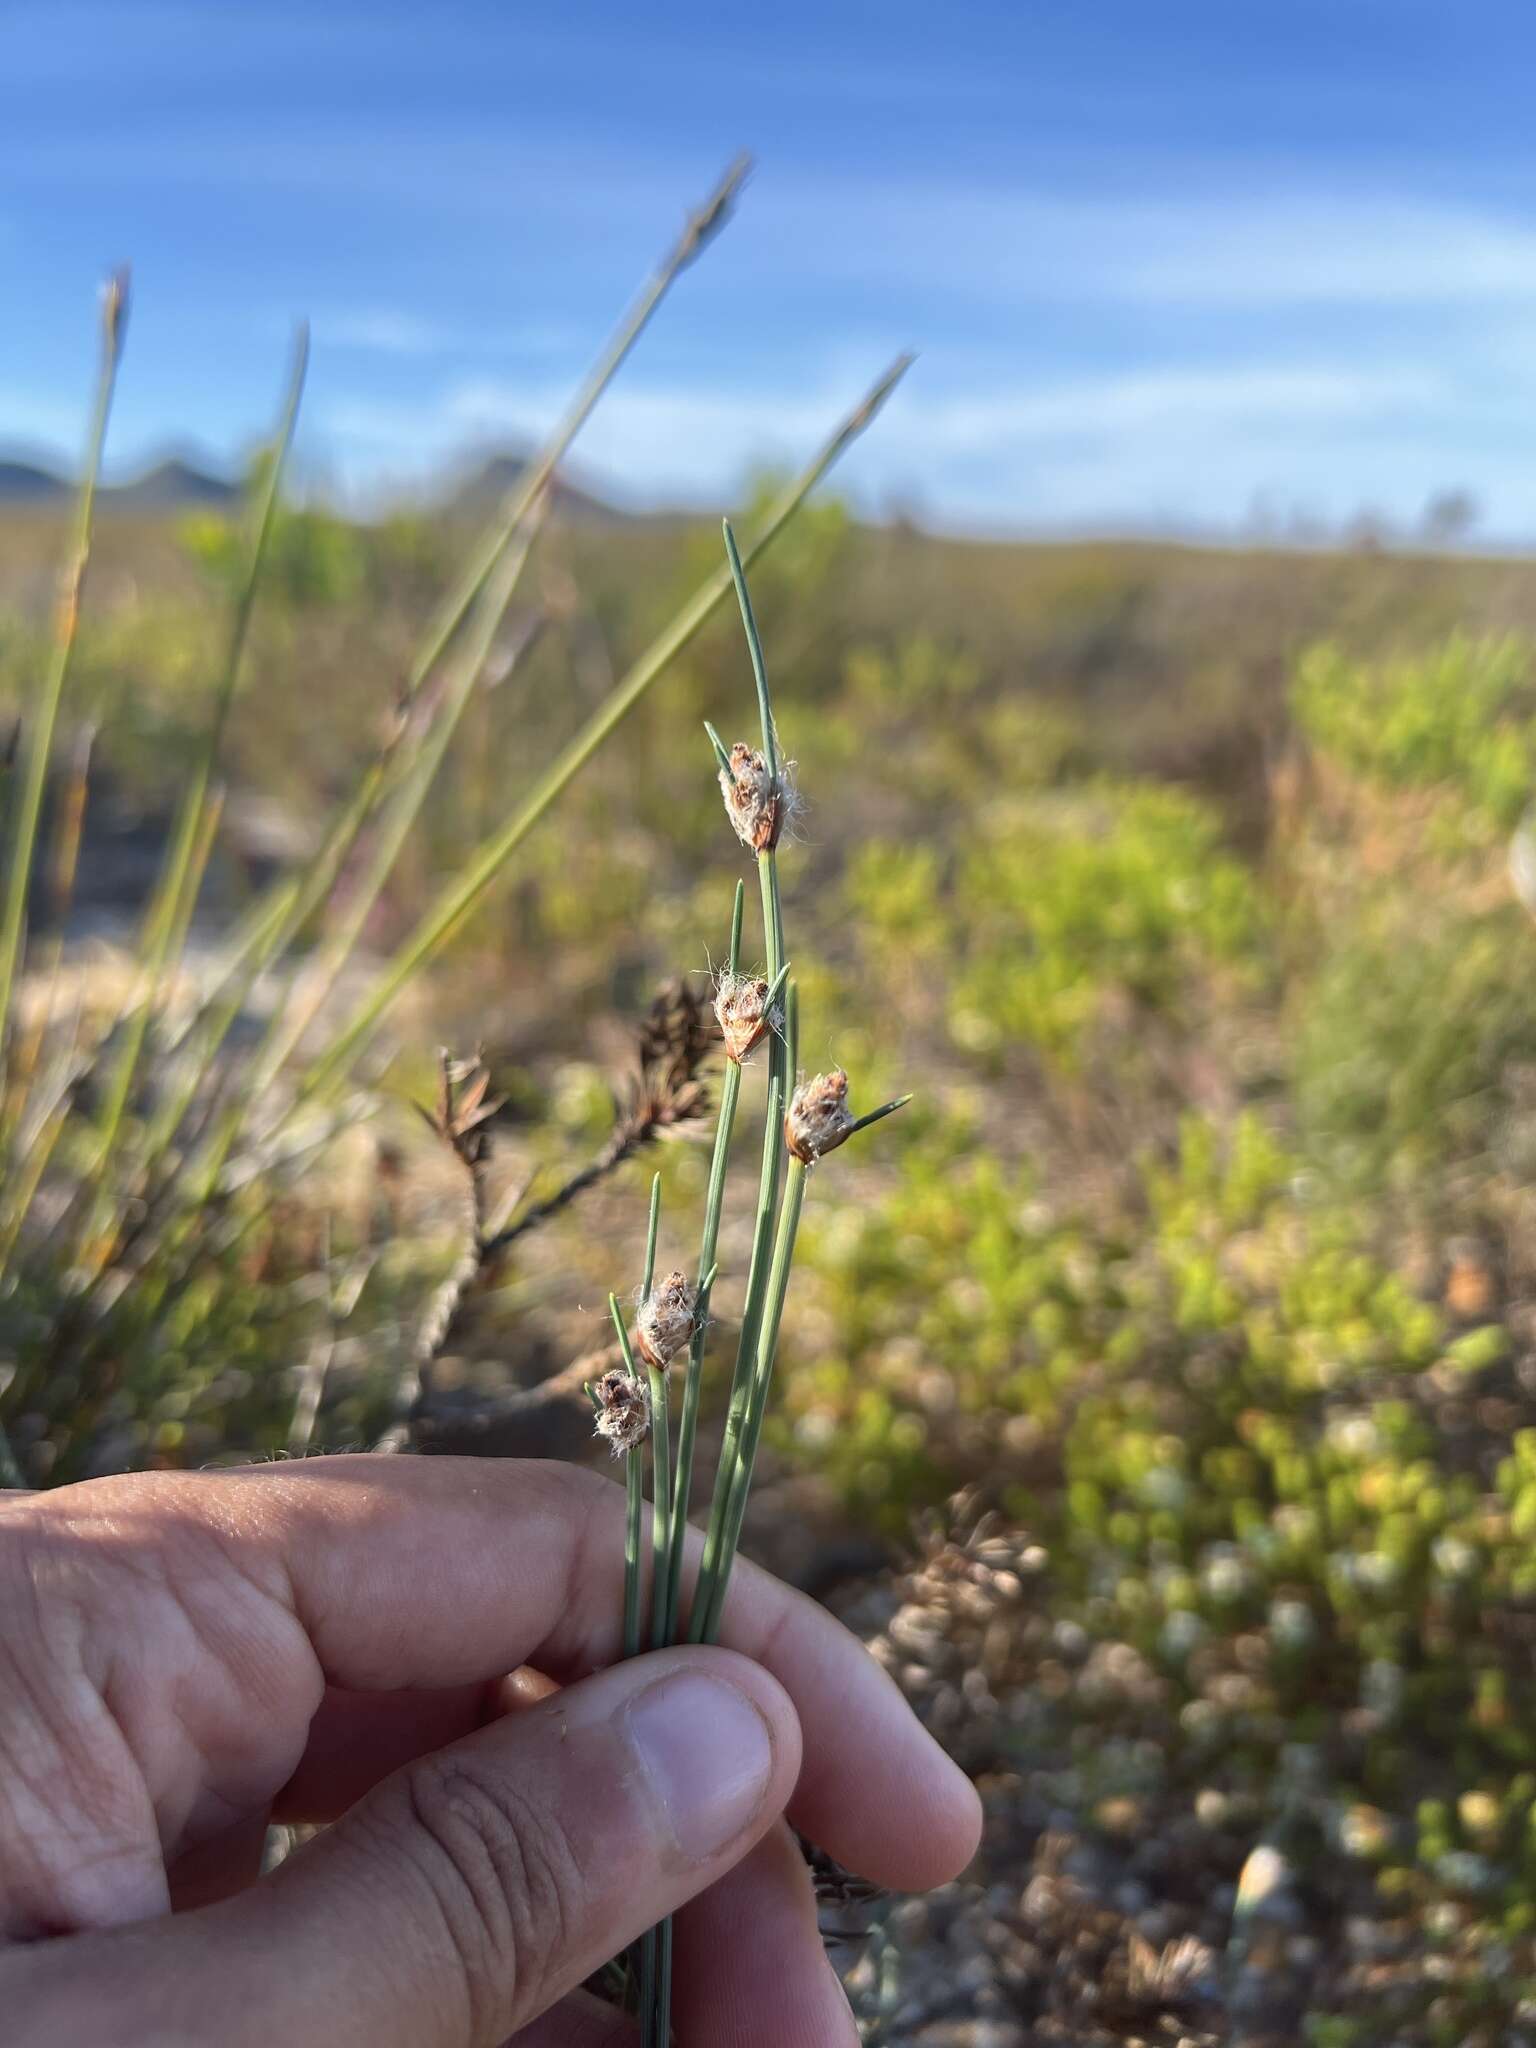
[662, 1097]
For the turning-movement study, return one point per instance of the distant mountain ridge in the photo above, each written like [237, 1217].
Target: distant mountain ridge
[498, 475]
[177, 484]
[173, 485]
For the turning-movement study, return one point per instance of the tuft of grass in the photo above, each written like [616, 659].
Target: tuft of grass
[159, 1146]
[39, 733]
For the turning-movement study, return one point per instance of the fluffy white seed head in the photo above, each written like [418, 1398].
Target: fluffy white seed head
[818, 1120]
[757, 802]
[664, 1323]
[742, 1012]
[623, 1411]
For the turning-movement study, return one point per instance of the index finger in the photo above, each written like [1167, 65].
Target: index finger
[437, 1572]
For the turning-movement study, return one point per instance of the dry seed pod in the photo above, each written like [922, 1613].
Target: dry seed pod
[665, 1322]
[756, 800]
[742, 1012]
[818, 1119]
[623, 1411]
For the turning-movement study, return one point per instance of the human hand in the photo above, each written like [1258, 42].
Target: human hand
[419, 1650]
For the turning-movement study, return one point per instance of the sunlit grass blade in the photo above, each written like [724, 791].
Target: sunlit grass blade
[290, 902]
[63, 865]
[698, 232]
[485, 865]
[172, 907]
[38, 738]
[321, 975]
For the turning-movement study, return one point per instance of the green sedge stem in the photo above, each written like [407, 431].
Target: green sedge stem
[754, 648]
[741, 1379]
[738, 915]
[730, 1095]
[714, 1201]
[664, 1986]
[873, 1117]
[633, 1473]
[780, 1064]
[652, 1230]
[634, 1504]
[647, 1987]
[634, 1478]
[767, 1345]
[791, 1042]
[661, 1497]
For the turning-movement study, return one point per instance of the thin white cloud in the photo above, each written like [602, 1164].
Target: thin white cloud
[1192, 245]
[1117, 438]
[1177, 401]
[377, 331]
[390, 331]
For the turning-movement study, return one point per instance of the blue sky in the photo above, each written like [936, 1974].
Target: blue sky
[1174, 263]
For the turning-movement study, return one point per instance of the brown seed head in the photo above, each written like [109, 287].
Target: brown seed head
[623, 1411]
[662, 1095]
[665, 1322]
[463, 1112]
[114, 307]
[742, 1012]
[818, 1119]
[756, 800]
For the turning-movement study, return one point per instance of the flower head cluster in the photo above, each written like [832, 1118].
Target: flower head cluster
[818, 1120]
[623, 1411]
[666, 1321]
[757, 801]
[743, 1014]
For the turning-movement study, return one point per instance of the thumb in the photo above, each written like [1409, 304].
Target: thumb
[462, 1896]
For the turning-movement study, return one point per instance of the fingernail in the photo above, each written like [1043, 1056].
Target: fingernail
[707, 1756]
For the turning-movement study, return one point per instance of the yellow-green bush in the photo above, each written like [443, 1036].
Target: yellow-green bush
[1062, 906]
[1458, 718]
[1409, 1044]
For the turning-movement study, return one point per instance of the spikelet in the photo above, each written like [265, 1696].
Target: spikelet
[623, 1411]
[665, 1322]
[743, 1014]
[757, 801]
[818, 1120]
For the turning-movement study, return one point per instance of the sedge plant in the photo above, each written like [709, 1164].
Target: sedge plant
[803, 1123]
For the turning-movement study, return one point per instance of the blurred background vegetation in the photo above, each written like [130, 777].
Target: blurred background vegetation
[1175, 883]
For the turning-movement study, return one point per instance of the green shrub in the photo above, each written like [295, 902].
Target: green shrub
[1064, 906]
[1409, 1048]
[1458, 720]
